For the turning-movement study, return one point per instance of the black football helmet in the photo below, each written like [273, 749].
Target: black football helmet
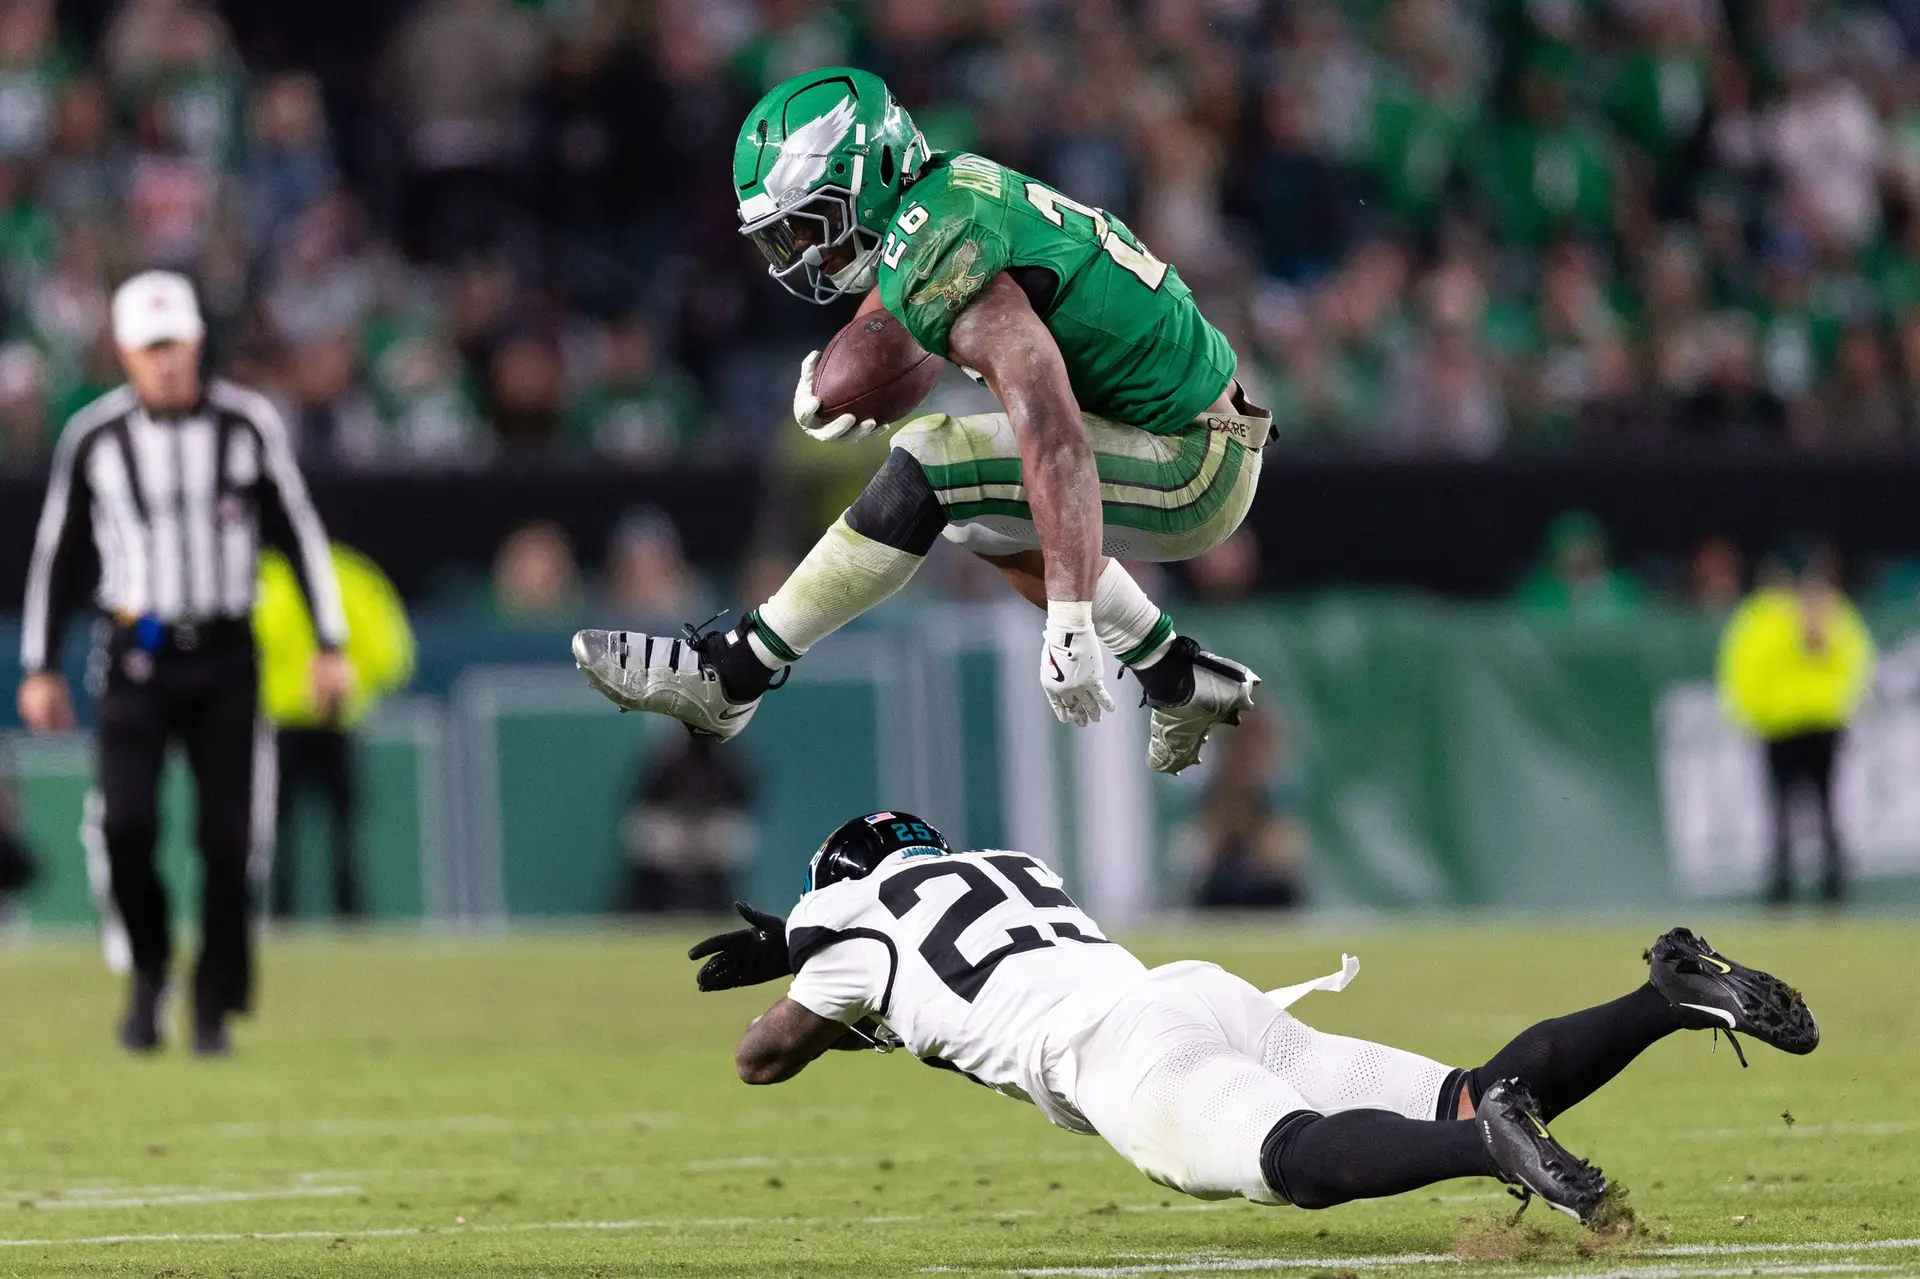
[858, 846]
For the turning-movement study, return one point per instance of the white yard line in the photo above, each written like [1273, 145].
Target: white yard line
[1740, 1249]
[200, 1196]
[1250, 1264]
[96, 1241]
[436, 1123]
[109, 1194]
[1199, 1266]
[1784, 1130]
[394, 1232]
[1694, 1272]
[1167, 1265]
[749, 1163]
[1212, 1264]
[1216, 1206]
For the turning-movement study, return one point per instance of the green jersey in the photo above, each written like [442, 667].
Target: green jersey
[1137, 349]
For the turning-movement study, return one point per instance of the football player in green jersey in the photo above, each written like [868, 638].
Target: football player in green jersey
[1125, 434]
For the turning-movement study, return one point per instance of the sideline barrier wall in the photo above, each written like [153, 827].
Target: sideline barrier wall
[1447, 754]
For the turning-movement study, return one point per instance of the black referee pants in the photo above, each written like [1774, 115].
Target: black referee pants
[317, 762]
[1803, 763]
[205, 697]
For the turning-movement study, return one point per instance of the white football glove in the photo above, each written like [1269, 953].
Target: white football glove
[1072, 675]
[844, 429]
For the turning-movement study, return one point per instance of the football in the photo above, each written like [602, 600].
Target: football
[874, 369]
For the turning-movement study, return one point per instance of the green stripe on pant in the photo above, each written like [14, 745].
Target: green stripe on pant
[1148, 517]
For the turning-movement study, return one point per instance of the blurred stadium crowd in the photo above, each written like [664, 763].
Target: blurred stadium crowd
[1430, 226]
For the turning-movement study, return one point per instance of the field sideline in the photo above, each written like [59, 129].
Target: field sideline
[564, 1104]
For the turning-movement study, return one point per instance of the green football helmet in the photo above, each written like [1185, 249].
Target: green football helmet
[819, 168]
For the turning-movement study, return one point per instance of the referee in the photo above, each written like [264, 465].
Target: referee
[161, 494]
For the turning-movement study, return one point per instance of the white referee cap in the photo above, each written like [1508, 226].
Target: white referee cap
[156, 306]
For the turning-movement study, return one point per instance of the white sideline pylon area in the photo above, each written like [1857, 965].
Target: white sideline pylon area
[1114, 808]
[1105, 852]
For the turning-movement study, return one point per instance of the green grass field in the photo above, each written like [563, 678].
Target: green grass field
[562, 1104]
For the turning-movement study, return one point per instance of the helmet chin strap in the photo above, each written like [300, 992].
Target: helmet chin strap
[857, 275]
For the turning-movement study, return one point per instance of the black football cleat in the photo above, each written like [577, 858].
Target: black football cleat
[146, 1008]
[1529, 1158]
[1714, 993]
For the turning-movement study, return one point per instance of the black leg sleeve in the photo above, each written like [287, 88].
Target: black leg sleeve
[132, 748]
[1317, 1161]
[1564, 1060]
[219, 734]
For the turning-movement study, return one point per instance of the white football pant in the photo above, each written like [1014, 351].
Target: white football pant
[1190, 1072]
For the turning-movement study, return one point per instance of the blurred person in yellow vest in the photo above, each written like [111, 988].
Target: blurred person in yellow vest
[1795, 662]
[315, 740]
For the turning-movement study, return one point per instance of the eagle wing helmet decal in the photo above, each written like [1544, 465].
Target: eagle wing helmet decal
[805, 152]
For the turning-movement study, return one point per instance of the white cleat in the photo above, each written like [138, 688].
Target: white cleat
[1222, 689]
[663, 674]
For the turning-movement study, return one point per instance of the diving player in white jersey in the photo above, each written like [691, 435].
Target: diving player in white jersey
[979, 963]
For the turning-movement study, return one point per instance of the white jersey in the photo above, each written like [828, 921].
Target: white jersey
[978, 961]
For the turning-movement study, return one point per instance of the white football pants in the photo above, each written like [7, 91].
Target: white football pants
[1190, 1072]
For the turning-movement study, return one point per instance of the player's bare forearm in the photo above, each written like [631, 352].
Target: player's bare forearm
[782, 1041]
[1000, 335]
[1064, 491]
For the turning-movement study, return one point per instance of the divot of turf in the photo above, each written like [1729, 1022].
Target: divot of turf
[1501, 1238]
[1616, 1216]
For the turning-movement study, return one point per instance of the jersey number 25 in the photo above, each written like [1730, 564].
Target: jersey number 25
[901, 893]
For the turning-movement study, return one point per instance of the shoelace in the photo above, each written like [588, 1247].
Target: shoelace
[697, 634]
[1693, 959]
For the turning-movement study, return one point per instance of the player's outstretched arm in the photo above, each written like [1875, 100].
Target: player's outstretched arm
[782, 1041]
[1000, 335]
[746, 956]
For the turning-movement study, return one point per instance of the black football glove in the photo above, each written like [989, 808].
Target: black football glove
[746, 957]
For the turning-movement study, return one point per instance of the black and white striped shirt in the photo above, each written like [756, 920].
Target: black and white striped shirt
[173, 511]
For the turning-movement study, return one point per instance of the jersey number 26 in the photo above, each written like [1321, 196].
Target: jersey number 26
[1128, 257]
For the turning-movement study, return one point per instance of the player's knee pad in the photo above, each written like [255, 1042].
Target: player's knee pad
[1273, 1151]
[898, 507]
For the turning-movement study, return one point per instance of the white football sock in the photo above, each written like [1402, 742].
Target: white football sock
[843, 576]
[1130, 625]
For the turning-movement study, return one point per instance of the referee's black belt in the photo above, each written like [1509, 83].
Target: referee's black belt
[154, 636]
